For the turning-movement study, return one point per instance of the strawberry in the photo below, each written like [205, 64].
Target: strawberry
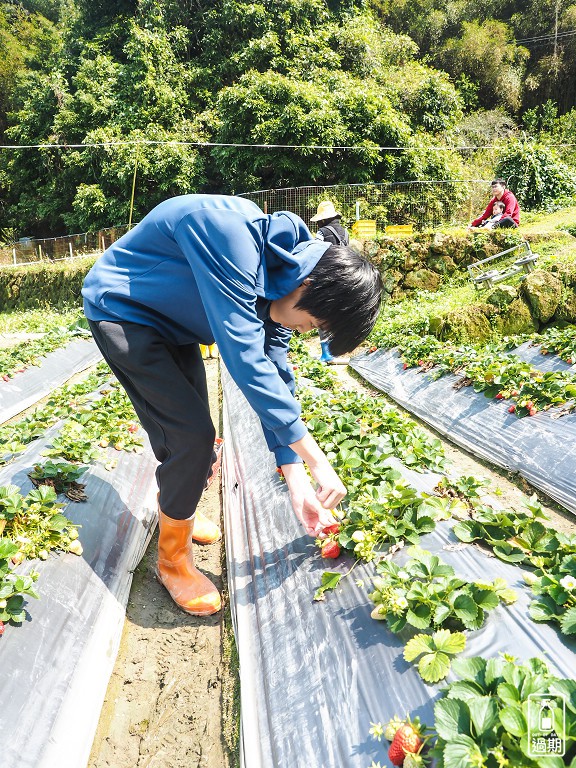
[405, 366]
[512, 409]
[569, 361]
[413, 761]
[529, 404]
[330, 549]
[372, 349]
[6, 377]
[133, 428]
[405, 740]
[532, 411]
[1, 628]
[335, 528]
[499, 396]
[392, 727]
[514, 393]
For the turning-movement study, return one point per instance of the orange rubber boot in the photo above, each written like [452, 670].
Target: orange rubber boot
[205, 531]
[190, 589]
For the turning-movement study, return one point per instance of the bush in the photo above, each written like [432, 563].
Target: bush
[541, 181]
[43, 285]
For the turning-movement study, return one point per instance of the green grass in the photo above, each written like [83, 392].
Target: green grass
[36, 320]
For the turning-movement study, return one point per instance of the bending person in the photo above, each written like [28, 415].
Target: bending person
[204, 269]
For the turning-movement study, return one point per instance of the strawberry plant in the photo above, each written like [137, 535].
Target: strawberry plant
[488, 370]
[36, 524]
[485, 718]
[527, 538]
[17, 358]
[13, 587]
[426, 593]
[61, 476]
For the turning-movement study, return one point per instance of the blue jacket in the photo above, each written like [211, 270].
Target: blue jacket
[204, 268]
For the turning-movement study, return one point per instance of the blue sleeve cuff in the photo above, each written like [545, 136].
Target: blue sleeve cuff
[285, 455]
[291, 433]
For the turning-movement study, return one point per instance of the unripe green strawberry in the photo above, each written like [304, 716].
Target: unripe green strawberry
[392, 727]
[413, 761]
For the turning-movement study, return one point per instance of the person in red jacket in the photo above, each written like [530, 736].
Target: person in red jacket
[511, 215]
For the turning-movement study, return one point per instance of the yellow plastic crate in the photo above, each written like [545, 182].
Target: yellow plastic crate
[398, 229]
[364, 228]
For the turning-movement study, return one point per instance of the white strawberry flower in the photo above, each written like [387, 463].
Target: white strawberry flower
[568, 582]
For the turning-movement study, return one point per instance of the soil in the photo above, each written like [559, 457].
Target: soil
[172, 700]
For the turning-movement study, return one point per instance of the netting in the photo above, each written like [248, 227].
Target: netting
[30, 251]
[423, 204]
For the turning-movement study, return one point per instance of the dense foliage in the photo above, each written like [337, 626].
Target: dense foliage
[365, 74]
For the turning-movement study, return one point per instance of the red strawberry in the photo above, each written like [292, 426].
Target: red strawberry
[1, 628]
[6, 377]
[529, 404]
[569, 361]
[372, 349]
[331, 549]
[405, 740]
[533, 411]
[334, 528]
[405, 366]
[514, 393]
[512, 409]
[420, 363]
[133, 428]
[499, 396]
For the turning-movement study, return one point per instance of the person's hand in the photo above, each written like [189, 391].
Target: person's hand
[331, 490]
[307, 507]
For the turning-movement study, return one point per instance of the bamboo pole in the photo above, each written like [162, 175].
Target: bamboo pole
[133, 188]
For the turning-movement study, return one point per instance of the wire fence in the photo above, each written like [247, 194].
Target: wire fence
[424, 204]
[50, 249]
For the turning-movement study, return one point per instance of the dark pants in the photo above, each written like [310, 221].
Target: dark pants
[506, 222]
[166, 384]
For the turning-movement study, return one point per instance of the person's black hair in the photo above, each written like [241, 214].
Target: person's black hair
[498, 181]
[500, 203]
[344, 293]
[329, 220]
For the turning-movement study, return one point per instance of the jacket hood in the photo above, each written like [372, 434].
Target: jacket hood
[290, 254]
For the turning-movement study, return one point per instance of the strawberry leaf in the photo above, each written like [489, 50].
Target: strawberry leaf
[417, 646]
[452, 719]
[513, 720]
[484, 714]
[568, 622]
[330, 580]
[434, 666]
[449, 642]
[462, 753]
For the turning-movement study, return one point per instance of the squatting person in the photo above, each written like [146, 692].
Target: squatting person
[211, 268]
[510, 214]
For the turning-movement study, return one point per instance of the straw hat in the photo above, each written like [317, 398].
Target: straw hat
[326, 210]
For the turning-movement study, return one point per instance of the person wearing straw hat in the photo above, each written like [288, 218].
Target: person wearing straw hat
[331, 231]
[205, 269]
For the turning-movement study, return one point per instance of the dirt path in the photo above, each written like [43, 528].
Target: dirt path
[172, 699]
